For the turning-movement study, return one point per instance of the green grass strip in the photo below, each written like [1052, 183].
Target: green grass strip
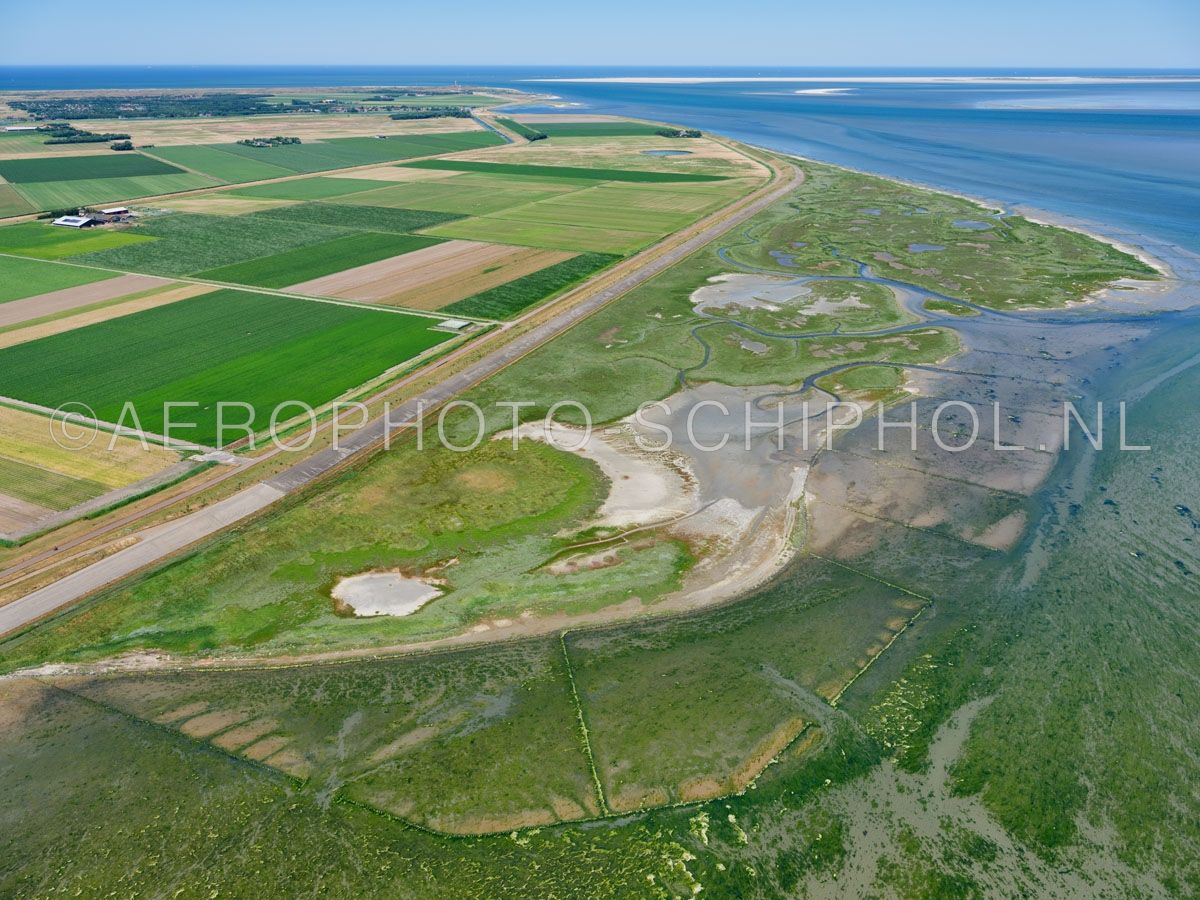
[596, 129]
[577, 172]
[523, 130]
[43, 487]
[20, 278]
[72, 168]
[507, 300]
[367, 218]
[305, 263]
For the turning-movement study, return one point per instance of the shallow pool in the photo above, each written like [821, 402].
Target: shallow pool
[384, 594]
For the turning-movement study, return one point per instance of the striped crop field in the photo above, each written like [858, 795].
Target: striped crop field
[227, 346]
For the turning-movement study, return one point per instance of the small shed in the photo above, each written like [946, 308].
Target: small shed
[456, 325]
[116, 211]
[75, 221]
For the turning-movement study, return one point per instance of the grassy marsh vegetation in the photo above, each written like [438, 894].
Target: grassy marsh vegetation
[1005, 262]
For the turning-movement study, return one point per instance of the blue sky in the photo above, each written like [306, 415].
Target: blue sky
[1061, 33]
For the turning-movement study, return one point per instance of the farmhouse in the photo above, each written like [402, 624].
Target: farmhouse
[76, 221]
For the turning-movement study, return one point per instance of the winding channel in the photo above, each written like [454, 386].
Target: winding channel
[911, 298]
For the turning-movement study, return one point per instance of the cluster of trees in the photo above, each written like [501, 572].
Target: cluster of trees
[530, 134]
[432, 112]
[269, 141]
[62, 133]
[164, 106]
[678, 132]
[121, 145]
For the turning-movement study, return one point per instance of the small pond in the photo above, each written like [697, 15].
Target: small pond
[384, 594]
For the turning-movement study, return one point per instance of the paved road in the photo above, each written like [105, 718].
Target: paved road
[161, 541]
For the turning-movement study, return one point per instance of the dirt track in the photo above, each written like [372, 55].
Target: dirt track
[16, 311]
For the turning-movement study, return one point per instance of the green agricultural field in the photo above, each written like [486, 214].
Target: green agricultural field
[42, 240]
[12, 203]
[52, 490]
[365, 218]
[315, 260]
[523, 130]
[467, 194]
[185, 242]
[80, 168]
[506, 300]
[225, 346]
[654, 198]
[595, 129]
[310, 188]
[342, 153]
[551, 236]
[85, 192]
[214, 161]
[576, 172]
[21, 142]
[597, 210]
[27, 277]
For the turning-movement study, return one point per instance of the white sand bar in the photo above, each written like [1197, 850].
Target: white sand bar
[645, 487]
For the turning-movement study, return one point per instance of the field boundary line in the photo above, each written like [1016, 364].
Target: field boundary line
[340, 796]
[175, 734]
[841, 565]
[583, 729]
[929, 474]
[888, 521]
[857, 675]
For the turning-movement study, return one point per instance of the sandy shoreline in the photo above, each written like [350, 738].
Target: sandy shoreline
[1042, 217]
